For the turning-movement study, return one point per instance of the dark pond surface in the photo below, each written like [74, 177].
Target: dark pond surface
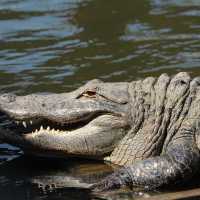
[57, 45]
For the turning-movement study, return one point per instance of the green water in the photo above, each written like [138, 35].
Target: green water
[57, 45]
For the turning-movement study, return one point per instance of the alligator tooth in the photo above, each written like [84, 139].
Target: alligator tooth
[31, 122]
[48, 128]
[24, 124]
[41, 128]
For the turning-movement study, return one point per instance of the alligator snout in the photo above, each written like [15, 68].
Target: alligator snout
[6, 101]
[7, 98]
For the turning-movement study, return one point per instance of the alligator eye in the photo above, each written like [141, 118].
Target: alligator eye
[89, 93]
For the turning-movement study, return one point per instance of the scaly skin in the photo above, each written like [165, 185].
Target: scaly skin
[150, 127]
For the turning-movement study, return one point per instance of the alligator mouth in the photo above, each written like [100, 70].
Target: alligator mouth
[83, 137]
[38, 125]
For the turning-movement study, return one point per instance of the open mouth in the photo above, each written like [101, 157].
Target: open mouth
[38, 125]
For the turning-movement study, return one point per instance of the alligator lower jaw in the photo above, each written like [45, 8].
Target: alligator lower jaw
[86, 141]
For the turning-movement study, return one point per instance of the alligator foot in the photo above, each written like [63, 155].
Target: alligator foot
[116, 180]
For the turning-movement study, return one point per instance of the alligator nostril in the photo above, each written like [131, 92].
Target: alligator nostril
[9, 98]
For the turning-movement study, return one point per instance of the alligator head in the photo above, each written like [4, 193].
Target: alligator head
[88, 122]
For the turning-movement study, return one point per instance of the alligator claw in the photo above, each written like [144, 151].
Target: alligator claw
[109, 183]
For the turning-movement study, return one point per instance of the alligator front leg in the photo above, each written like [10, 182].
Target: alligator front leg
[178, 163]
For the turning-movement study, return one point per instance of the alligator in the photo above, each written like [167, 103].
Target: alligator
[149, 127]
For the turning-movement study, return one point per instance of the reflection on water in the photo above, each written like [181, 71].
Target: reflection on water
[49, 178]
[57, 45]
